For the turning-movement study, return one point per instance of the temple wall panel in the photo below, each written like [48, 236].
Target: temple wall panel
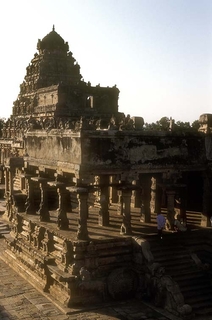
[54, 147]
[109, 147]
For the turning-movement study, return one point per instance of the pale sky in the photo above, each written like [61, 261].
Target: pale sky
[157, 52]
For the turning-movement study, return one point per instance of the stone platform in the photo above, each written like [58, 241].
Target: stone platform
[80, 273]
[75, 271]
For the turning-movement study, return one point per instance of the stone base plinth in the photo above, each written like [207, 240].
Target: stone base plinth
[73, 272]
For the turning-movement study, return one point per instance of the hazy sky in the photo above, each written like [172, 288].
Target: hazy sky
[157, 52]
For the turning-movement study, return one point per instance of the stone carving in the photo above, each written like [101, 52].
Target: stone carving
[26, 230]
[112, 124]
[89, 288]
[47, 242]
[12, 207]
[126, 225]
[66, 253]
[9, 202]
[122, 283]
[85, 274]
[37, 236]
[198, 262]
[144, 246]
[159, 287]
[165, 291]
[17, 128]
[16, 226]
[126, 123]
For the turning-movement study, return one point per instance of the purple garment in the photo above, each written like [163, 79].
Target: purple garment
[161, 221]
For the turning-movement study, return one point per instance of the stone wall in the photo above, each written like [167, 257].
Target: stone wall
[54, 146]
[131, 148]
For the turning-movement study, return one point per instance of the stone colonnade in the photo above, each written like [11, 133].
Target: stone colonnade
[147, 193]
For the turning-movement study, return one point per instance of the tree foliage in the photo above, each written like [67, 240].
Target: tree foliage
[169, 124]
[161, 125]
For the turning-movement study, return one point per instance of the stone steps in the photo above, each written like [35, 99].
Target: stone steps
[174, 255]
[188, 275]
[4, 229]
[189, 291]
[195, 295]
[179, 269]
[193, 218]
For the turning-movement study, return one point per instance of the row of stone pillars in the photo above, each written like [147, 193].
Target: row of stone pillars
[150, 200]
[63, 194]
[82, 194]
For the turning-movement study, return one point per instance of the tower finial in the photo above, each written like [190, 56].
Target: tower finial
[53, 28]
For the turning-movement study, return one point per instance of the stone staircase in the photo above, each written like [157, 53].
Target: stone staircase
[193, 218]
[4, 229]
[176, 253]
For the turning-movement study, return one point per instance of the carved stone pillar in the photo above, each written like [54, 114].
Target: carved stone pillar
[9, 203]
[104, 201]
[113, 191]
[170, 207]
[145, 198]
[11, 163]
[2, 156]
[156, 195]
[136, 195]
[142, 210]
[43, 209]
[63, 193]
[30, 205]
[126, 222]
[6, 175]
[9, 174]
[1, 175]
[62, 220]
[82, 196]
[153, 195]
[82, 233]
[120, 203]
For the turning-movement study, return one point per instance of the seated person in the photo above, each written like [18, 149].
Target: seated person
[179, 225]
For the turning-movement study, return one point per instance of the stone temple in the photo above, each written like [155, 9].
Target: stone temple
[81, 181]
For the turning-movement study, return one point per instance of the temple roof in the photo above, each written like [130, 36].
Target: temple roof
[52, 41]
[53, 84]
